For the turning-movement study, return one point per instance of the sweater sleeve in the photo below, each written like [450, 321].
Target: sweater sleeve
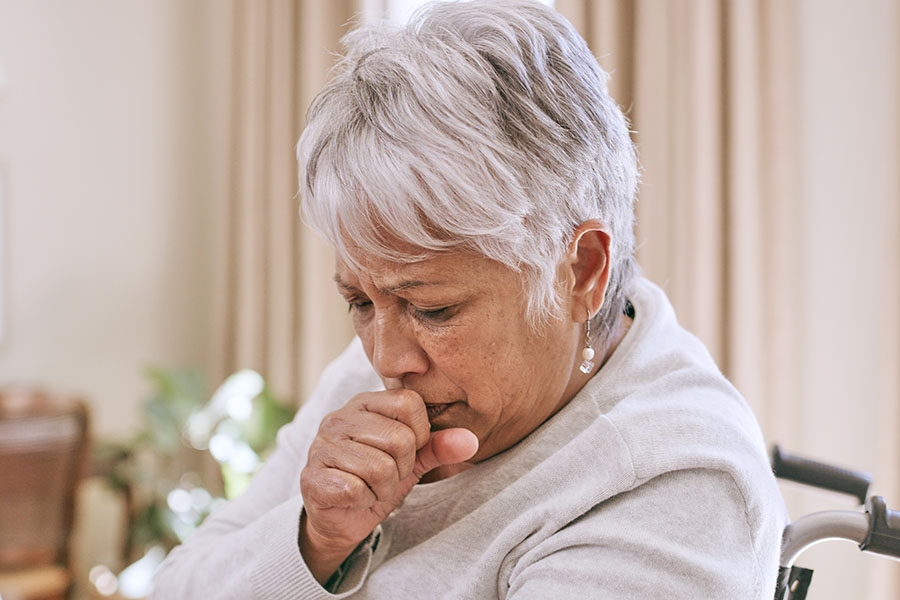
[248, 548]
[688, 535]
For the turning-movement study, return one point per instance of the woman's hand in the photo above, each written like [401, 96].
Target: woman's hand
[365, 459]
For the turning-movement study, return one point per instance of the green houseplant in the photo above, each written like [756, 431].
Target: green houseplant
[191, 452]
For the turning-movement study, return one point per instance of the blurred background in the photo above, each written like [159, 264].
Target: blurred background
[150, 245]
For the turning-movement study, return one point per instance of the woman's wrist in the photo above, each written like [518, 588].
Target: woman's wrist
[323, 557]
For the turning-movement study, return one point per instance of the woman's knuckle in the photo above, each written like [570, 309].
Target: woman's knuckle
[380, 470]
[333, 421]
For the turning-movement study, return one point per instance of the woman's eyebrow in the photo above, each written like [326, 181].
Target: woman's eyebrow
[406, 285]
[343, 286]
[390, 290]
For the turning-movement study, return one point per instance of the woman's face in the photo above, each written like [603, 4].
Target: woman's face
[453, 329]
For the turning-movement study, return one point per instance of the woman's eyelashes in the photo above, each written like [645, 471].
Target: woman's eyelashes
[361, 307]
[358, 305]
[434, 315]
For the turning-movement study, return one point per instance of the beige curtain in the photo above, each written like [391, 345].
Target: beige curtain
[708, 87]
[731, 209]
[276, 310]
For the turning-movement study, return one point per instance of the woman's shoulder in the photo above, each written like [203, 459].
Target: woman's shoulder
[672, 406]
[349, 374]
[344, 377]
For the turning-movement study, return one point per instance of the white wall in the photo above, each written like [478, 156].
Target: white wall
[108, 143]
[112, 145]
[849, 313]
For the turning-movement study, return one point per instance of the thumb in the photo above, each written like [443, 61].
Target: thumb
[445, 447]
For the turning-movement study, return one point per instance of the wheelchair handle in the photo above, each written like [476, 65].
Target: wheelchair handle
[821, 475]
[883, 536]
[876, 531]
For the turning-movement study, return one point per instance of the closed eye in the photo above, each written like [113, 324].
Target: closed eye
[358, 305]
[437, 315]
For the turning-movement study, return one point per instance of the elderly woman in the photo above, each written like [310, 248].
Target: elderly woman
[521, 415]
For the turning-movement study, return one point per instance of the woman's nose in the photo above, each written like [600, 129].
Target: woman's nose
[395, 348]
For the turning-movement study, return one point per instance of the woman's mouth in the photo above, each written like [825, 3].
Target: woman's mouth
[436, 410]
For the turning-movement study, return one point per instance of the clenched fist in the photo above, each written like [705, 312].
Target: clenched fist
[366, 458]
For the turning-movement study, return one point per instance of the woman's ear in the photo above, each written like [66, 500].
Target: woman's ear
[588, 261]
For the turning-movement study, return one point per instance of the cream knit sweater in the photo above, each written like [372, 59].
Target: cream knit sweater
[653, 482]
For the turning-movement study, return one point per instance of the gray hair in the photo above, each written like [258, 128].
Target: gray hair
[482, 126]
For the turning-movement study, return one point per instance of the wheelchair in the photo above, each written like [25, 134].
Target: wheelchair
[875, 528]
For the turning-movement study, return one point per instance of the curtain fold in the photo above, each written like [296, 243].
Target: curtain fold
[707, 85]
[276, 311]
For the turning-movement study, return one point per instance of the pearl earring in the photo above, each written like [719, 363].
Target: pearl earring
[588, 353]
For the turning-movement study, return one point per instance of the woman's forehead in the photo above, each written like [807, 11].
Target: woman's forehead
[450, 269]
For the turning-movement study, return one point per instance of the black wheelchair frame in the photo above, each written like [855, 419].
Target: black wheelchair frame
[875, 528]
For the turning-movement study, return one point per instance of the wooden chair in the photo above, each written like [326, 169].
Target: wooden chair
[43, 453]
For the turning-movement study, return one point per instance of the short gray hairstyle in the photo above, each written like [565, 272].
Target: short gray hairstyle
[482, 126]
